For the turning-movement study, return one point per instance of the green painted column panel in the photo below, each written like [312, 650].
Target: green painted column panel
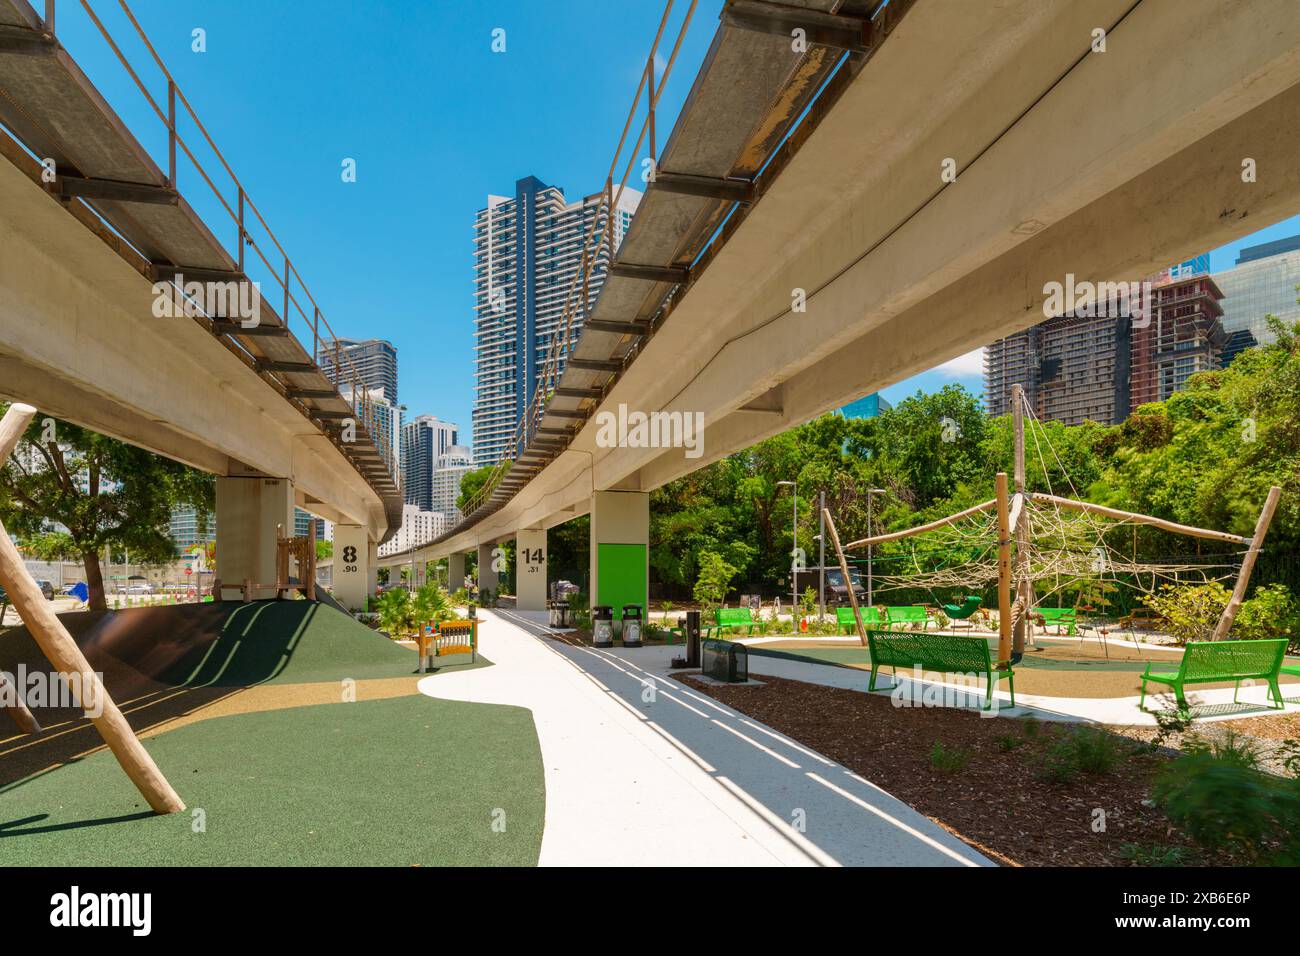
[622, 576]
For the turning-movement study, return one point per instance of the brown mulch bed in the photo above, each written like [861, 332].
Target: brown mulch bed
[999, 802]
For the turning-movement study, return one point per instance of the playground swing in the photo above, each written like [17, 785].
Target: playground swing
[965, 610]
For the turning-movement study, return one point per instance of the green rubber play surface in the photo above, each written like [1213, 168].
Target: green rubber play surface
[400, 782]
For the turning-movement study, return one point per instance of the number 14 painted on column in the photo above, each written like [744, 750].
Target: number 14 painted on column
[534, 556]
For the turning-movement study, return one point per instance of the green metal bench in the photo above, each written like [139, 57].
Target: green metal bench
[844, 618]
[731, 619]
[944, 653]
[1066, 617]
[1216, 662]
[914, 614]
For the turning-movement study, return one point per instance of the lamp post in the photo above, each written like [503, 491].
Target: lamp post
[821, 556]
[794, 553]
[871, 590]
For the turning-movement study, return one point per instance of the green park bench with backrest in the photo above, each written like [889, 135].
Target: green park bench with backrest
[944, 653]
[732, 619]
[1066, 617]
[844, 618]
[1291, 669]
[1217, 662]
[913, 614]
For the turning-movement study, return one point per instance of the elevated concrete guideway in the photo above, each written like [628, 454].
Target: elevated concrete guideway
[92, 232]
[1106, 165]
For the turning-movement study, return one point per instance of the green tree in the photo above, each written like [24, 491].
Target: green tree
[473, 481]
[70, 493]
[714, 581]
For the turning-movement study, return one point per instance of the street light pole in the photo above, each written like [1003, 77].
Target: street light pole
[794, 555]
[821, 556]
[871, 590]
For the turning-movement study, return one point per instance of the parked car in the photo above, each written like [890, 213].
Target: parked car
[46, 588]
[836, 592]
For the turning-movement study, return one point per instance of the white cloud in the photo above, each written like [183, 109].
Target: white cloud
[963, 366]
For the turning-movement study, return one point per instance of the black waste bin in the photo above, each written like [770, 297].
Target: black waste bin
[725, 661]
[631, 625]
[602, 626]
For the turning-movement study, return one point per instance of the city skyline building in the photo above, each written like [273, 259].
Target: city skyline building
[418, 527]
[425, 440]
[1261, 282]
[1087, 367]
[868, 406]
[387, 421]
[452, 467]
[528, 250]
[373, 361]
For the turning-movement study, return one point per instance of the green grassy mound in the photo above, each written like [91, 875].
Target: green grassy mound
[406, 781]
[224, 644]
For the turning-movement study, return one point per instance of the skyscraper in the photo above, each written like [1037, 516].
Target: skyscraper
[1086, 367]
[373, 361]
[1262, 282]
[387, 430]
[425, 440]
[528, 249]
[452, 467]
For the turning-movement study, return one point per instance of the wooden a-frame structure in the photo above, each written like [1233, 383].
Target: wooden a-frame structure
[1014, 610]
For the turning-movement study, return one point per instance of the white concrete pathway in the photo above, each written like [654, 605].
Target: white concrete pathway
[642, 771]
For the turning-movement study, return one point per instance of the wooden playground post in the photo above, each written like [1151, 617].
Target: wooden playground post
[1004, 571]
[1025, 586]
[23, 717]
[308, 573]
[62, 651]
[848, 581]
[1247, 565]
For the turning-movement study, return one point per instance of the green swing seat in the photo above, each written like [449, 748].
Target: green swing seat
[964, 610]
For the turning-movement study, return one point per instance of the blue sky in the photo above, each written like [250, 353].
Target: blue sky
[435, 122]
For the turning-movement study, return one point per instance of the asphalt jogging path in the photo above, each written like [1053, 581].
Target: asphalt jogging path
[643, 771]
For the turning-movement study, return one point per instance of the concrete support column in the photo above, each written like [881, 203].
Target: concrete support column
[250, 513]
[355, 569]
[530, 570]
[455, 572]
[620, 549]
[487, 576]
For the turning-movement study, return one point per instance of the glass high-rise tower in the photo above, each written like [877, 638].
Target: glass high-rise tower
[527, 250]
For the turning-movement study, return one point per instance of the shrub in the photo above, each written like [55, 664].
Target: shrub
[1081, 750]
[1096, 750]
[431, 604]
[1271, 612]
[949, 760]
[1190, 612]
[1009, 742]
[396, 614]
[1157, 854]
[1224, 804]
